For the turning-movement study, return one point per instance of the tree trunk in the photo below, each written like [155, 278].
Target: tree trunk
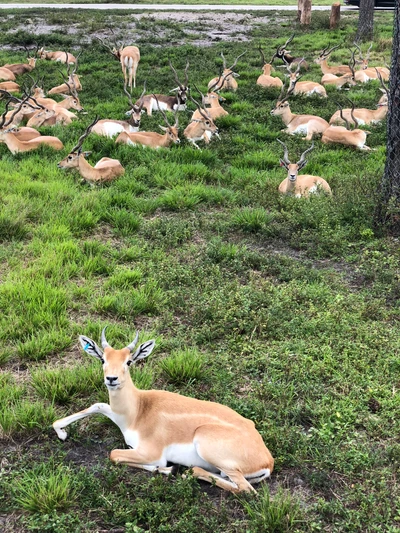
[389, 208]
[365, 29]
[335, 16]
[304, 11]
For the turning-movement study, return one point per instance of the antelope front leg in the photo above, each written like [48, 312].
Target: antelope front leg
[95, 409]
[143, 460]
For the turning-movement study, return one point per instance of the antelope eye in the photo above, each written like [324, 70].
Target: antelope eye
[70, 157]
[129, 362]
[207, 122]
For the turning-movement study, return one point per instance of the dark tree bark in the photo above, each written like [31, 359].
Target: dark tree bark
[365, 29]
[389, 208]
[304, 11]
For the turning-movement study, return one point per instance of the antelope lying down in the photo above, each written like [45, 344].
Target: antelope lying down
[302, 185]
[163, 427]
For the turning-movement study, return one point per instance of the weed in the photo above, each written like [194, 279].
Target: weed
[183, 366]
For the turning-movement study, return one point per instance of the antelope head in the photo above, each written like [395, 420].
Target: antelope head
[116, 363]
[72, 159]
[326, 52]
[293, 168]
[182, 89]
[282, 105]
[136, 109]
[229, 71]
[281, 51]
[170, 131]
[207, 121]
[363, 62]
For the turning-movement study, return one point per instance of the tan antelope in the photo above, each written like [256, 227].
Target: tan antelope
[344, 135]
[105, 170]
[322, 60]
[23, 109]
[362, 116]
[200, 129]
[22, 134]
[309, 125]
[306, 88]
[265, 79]
[228, 75]
[161, 427]
[302, 185]
[110, 127]
[59, 56]
[15, 145]
[128, 56]
[10, 86]
[21, 68]
[344, 79]
[71, 83]
[155, 102]
[366, 73]
[284, 55]
[213, 100]
[151, 138]
[6, 74]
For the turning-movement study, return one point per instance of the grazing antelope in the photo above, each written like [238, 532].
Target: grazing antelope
[109, 127]
[162, 427]
[265, 79]
[10, 86]
[21, 68]
[105, 170]
[155, 102]
[129, 57]
[344, 135]
[200, 129]
[6, 74]
[284, 55]
[309, 125]
[64, 57]
[307, 88]
[151, 138]
[228, 76]
[302, 185]
[322, 60]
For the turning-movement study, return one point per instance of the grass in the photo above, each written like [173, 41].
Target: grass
[183, 2]
[286, 310]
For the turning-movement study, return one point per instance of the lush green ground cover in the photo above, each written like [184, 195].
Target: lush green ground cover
[286, 310]
[232, 2]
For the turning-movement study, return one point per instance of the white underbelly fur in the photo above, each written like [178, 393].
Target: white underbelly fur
[303, 128]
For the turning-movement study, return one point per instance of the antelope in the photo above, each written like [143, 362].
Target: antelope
[212, 99]
[106, 169]
[302, 185]
[21, 68]
[151, 138]
[344, 79]
[160, 102]
[218, 444]
[265, 79]
[6, 74]
[306, 88]
[369, 73]
[298, 124]
[56, 56]
[15, 145]
[109, 127]
[71, 84]
[200, 129]
[10, 86]
[362, 116]
[322, 60]
[229, 83]
[343, 135]
[284, 55]
[22, 134]
[129, 57]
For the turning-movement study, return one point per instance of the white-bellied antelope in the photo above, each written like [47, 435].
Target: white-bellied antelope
[200, 129]
[110, 127]
[366, 73]
[155, 102]
[152, 139]
[322, 60]
[213, 100]
[105, 170]
[344, 135]
[6, 74]
[362, 116]
[344, 79]
[306, 88]
[228, 76]
[60, 56]
[161, 427]
[265, 79]
[308, 125]
[302, 185]
[10, 86]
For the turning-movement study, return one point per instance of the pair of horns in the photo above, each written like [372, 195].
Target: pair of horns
[105, 344]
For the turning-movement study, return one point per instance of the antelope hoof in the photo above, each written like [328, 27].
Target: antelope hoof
[61, 433]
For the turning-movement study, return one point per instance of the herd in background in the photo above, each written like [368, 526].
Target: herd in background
[36, 110]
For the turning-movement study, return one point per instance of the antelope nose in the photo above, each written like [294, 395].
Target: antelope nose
[111, 379]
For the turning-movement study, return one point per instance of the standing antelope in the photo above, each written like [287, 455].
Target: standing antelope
[106, 169]
[298, 124]
[322, 60]
[151, 138]
[220, 446]
[229, 83]
[129, 57]
[306, 88]
[57, 56]
[302, 185]
[200, 129]
[344, 135]
[109, 127]
[265, 79]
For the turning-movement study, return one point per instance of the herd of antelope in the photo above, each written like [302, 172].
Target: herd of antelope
[35, 109]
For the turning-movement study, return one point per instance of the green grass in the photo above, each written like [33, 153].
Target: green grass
[183, 2]
[284, 309]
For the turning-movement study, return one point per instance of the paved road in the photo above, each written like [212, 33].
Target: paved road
[167, 7]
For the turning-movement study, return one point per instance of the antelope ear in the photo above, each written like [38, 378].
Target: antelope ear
[163, 128]
[86, 154]
[144, 350]
[64, 95]
[282, 163]
[91, 347]
[302, 165]
[382, 90]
